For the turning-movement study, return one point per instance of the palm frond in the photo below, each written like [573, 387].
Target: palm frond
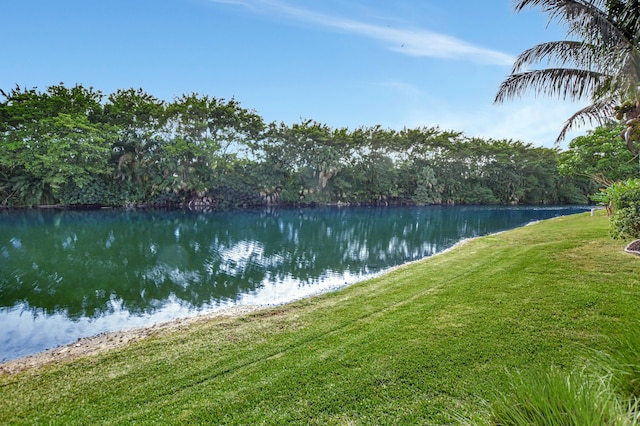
[586, 20]
[626, 15]
[599, 112]
[629, 72]
[602, 64]
[564, 83]
[563, 53]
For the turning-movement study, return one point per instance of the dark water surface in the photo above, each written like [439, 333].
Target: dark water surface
[71, 274]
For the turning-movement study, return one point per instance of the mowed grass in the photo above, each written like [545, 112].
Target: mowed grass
[422, 344]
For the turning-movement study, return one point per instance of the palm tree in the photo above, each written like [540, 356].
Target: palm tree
[599, 60]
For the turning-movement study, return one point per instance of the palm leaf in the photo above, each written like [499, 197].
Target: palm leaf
[599, 112]
[587, 20]
[603, 64]
[565, 83]
[562, 53]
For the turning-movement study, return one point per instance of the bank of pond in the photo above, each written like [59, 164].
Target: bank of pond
[66, 274]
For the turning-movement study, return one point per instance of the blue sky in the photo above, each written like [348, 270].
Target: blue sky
[344, 63]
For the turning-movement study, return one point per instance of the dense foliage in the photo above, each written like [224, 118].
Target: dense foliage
[600, 156]
[623, 201]
[76, 146]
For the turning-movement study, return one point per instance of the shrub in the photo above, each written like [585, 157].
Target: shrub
[624, 199]
[626, 223]
[95, 191]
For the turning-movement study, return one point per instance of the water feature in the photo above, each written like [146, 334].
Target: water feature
[71, 274]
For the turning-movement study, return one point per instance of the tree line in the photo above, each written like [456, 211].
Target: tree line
[76, 146]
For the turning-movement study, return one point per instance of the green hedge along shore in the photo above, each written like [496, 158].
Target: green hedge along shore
[422, 343]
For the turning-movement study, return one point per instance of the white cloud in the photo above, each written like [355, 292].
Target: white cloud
[536, 121]
[412, 42]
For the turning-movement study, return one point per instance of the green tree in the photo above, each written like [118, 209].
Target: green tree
[601, 156]
[204, 137]
[375, 165]
[427, 190]
[306, 156]
[139, 119]
[50, 140]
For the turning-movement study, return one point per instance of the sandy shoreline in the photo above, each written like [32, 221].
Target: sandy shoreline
[109, 340]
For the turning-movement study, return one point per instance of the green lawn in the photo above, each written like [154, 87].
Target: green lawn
[432, 338]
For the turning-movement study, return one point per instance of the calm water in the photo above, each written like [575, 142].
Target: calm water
[69, 274]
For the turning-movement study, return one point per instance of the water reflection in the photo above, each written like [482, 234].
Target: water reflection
[68, 274]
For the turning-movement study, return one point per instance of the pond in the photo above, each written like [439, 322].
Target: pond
[71, 274]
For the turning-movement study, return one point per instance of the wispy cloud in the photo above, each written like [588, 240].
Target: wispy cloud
[404, 89]
[407, 41]
[530, 120]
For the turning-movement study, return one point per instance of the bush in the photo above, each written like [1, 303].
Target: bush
[624, 200]
[626, 223]
[97, 191]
